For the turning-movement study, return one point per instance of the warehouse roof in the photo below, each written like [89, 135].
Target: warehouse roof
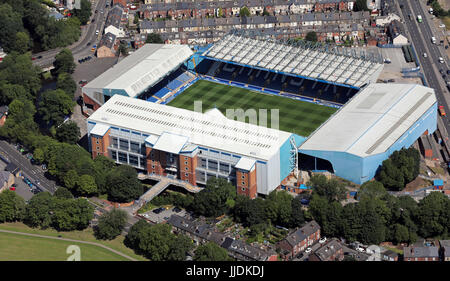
[142, 69]
[373, 120]
[208, 130]
[309, 60]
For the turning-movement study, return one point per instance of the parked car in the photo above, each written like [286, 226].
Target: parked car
[359, 249]
[12, 188]
[441, 60]
[322, 240]
[308, 250]
[425, 55]
[176, 210]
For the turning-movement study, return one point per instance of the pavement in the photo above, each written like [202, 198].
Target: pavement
[33, 172]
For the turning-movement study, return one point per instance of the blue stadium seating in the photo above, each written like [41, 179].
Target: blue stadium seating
[161, 93]
[152, 99]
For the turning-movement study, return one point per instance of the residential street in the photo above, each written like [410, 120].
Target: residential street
[33, 172]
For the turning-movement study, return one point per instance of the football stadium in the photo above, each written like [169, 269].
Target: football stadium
[165, 110]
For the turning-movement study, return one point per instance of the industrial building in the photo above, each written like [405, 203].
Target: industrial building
[191, 146]
[379, 120]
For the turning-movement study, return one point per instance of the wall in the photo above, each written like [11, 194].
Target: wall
[358, 169]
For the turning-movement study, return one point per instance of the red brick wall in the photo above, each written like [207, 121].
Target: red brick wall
[188, 168]
[99, 145]
[156, 161]
[246, 183]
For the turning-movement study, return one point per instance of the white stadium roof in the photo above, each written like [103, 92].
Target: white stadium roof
[373, 120]
[311, 62]
[142, 69]
[203, 129]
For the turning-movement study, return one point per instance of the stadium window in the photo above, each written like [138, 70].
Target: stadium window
[185, 162]
[186, 168]
[98, 148]
[153, 166]
[185, 158]
[243, 189]
[243, 183]
[186, 175]
[97, 141]
[243, 176]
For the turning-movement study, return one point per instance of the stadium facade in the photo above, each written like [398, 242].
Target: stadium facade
[191, 146]
[379, 120]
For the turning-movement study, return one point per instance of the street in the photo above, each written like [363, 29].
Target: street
[33, 172]
[79, 48]
[420, 35]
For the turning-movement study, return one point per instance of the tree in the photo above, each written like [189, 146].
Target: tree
[72, 214]
[10, 92]
[216, 199]
[54, 106]
[71, 179]
[64, 62]
[297, 215]
[102, 167]
[265, 12]
[155, 242]
[399, 169]
[84, 13]
[39, 210]
[63, 193]
[18, 69]
[68, 132]
[372, 189]
[123, 49]
[11, 207]
[311, 36]
[86, 185]
[401, 233]
[136, 19]
[211, 252]
[110, 224]
[11, 23]
[179, 247]
[360, 5]
[244, 12]
[22, 42]
[330, 189]
[433, 215]
[66, 83]
[123, 184]
[154, 38]
[38, 155]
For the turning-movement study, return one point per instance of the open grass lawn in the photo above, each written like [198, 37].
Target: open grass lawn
[25, 248]
[84, 235]
[446, 21]
[298, 117]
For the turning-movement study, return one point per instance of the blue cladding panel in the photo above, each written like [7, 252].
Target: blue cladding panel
[361, 169]
[285, 155]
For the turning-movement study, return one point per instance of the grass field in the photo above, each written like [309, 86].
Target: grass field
[84, 235]
[24, 248]
[298, 117]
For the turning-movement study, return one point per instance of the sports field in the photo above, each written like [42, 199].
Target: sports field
[298, 117]
[16, 247]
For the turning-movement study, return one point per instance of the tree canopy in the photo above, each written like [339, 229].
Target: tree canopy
[123, 185]
[110, 224]
[68, 132]
[211, 252]
[54, 106]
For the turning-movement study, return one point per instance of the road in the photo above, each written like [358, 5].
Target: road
[87, 35]
[33, 172]
[420, 35]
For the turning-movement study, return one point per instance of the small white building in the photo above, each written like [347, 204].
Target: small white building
[114, 30]
[400, 39]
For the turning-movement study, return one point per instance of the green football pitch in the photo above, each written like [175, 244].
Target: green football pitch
[298, 117]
